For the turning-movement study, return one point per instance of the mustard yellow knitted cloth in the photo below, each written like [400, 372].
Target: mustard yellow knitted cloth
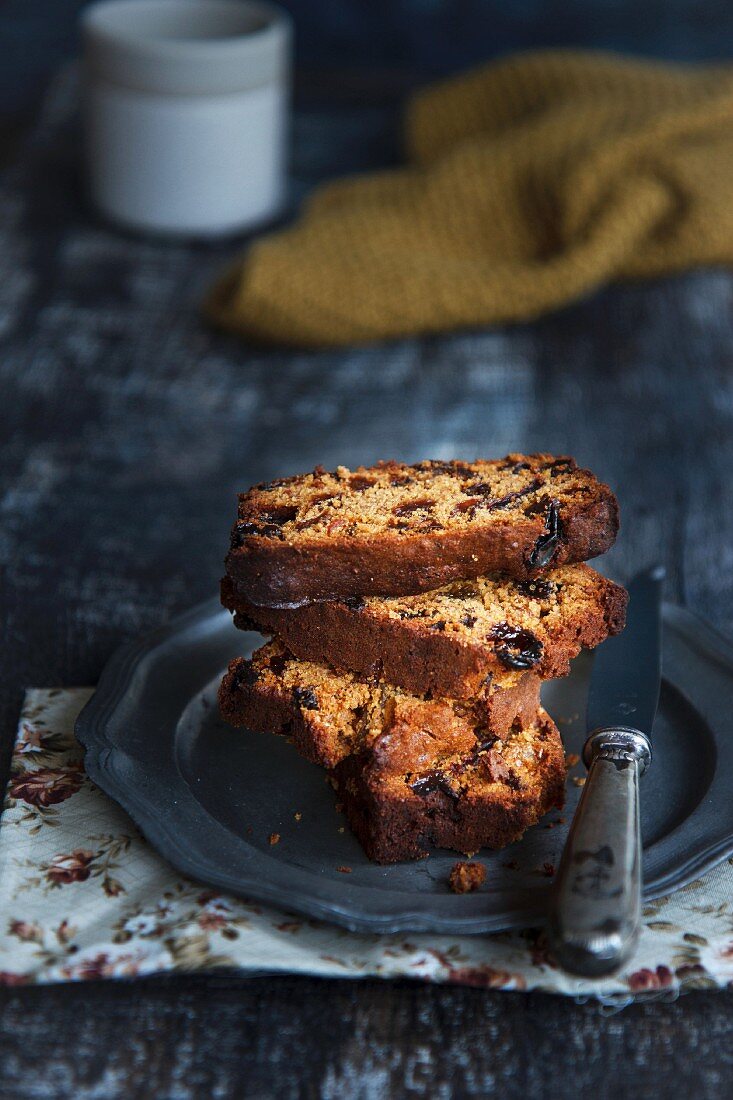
[529, 183]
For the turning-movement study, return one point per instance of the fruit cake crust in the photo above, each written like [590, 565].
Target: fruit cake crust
[321, 711]
[393, 529]
[430, 643]
[393, 823]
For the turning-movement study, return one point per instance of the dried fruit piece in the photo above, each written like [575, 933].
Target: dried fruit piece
[538, 507]
[559, 466]
[276, 483]
[536, 589]
[467, 590]
[245, 529]
[360, 484]
[510, 498]
[493, 767]
[456, 469]
[469, 506]
[305, 524]
[408, 507]
[278, 663]
[519, 648]
[435, 781]
[245, 675]
[279, 515]
[306, 698]
[547, 544]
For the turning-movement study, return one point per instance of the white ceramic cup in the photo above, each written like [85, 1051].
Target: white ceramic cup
[186, 106]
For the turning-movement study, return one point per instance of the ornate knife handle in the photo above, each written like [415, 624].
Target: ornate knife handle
[596, 904]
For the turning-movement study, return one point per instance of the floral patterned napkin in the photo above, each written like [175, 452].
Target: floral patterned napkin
[83, 896]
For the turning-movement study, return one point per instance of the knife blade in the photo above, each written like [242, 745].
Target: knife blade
[595, 911]
[624, 685]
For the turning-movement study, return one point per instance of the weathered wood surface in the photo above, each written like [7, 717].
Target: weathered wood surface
[308, 1038]
[125, 429]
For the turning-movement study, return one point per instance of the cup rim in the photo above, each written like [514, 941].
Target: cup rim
[99, 22]
[133, 44]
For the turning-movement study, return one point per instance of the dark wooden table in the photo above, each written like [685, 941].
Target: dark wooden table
[125, 429]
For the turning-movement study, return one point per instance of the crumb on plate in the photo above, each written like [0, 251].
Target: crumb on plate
[466, 877]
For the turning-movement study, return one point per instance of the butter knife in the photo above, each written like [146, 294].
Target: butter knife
[595, 911]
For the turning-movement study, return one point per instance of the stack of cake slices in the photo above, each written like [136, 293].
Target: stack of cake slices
[413, 613]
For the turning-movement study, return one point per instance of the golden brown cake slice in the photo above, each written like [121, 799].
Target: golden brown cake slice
[411, 772]
[448, 641]
[331, 715]
[393, 529]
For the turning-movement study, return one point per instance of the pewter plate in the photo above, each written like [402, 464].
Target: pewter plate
[207, 797]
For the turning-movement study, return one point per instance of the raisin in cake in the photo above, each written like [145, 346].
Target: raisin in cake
[448, 641]
[393, 529]
[329, 715]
